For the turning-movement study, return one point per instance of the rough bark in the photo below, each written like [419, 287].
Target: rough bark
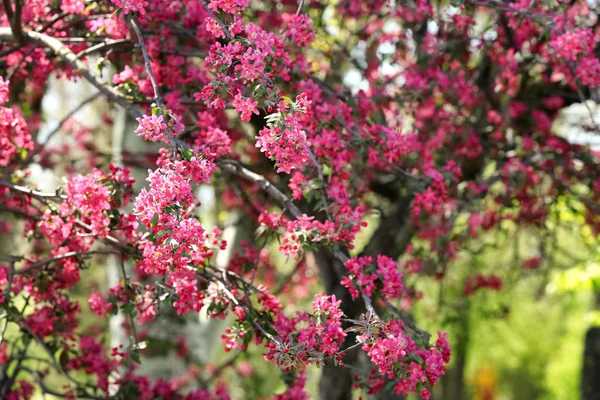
[590, 375]
[453, 382]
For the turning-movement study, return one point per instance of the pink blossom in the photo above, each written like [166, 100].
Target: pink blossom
[99, 305]
[41, 321]
[131, 5]
[300, 29]
[571, 45]
[3, 90]
[289, 148]
[14, 132]
[72, 6]
[588, 70]
[87, 195]
[152, 128]
[127, 74]
[228, 6]
[245, 106]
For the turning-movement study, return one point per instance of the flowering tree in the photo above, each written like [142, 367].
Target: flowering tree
[309, 117]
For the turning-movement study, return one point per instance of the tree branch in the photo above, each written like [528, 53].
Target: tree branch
[235, 168]
[62, 51]
[147, 64]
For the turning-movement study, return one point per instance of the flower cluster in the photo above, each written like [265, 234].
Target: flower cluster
[300, 29]
[366, 277]
[15, 139]
[154, 128]
[430, 132]
[474, 283]
[284, 139]
[322, 338]
[228, 6]
[394, 353]
[87, 196]
[163, 209]
[245, 106]
[132, 5]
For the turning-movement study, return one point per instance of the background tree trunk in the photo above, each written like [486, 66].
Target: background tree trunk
[453, 381]
[590, 375]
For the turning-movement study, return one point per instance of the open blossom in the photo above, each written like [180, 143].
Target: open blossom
[284, 139]
[289, 148]
[427, 132]
[131, 5]
[428, 201]
[99, 305]
[73, 6]
[128, 74]
[55, 228]
[213, 140]
[87, 195]
[573, 44]
[175, 124]
[324, 335]
[169, 185]
[588, 70]
[212, 26]
[189, 295]
[365, 277]
[248, 63]
[41, 321]
[152, 128]
[14, 133]
[391, 278]
[245, 106]
[229, 6]
[3, 90]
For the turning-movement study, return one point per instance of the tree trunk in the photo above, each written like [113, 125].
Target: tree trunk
[453, 381]
[590, 375]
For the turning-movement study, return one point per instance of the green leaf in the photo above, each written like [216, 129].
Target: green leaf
[389, 386]
[309, 196]
[154, 220]
[186, 153]
[100, 64]
[135, 356]
[63, 358]
[161, 233]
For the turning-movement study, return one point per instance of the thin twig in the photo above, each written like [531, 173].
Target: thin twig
[147, 64]
[300, 7]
